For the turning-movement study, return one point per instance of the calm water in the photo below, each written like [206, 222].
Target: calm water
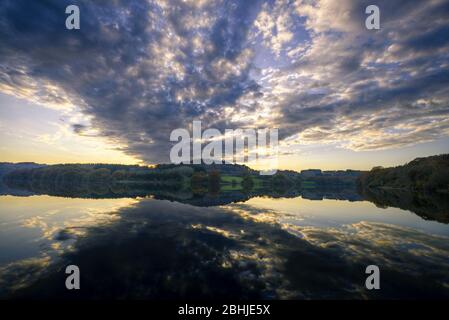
[261, 247]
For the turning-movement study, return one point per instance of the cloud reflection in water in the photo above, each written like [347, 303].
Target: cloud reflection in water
[163, 250]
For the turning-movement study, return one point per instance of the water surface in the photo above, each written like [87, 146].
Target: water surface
[252, 247]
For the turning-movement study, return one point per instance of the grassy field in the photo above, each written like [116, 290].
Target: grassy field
[308, 184]
[229, 179]
[233, 183]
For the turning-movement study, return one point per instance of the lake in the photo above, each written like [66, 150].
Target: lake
[303, 246]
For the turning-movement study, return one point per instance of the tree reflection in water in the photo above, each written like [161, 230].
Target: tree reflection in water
[160, 249]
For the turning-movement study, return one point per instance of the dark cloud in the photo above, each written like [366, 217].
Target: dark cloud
[398, 74]
[133, 65]
[140, 69]
[78, 128]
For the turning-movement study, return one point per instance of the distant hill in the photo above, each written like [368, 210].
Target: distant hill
[12, 173]
[7, 167]
[224, 169]
[430, 174]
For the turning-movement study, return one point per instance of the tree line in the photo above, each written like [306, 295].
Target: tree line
[429, 174]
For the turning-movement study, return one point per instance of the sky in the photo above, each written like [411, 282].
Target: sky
[340, 95]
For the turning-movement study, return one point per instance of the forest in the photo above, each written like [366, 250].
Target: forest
[422, 174]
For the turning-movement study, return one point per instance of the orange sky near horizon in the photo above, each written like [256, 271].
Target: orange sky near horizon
[33, 133]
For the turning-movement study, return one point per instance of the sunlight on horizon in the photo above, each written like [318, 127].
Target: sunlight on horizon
[34, 133]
